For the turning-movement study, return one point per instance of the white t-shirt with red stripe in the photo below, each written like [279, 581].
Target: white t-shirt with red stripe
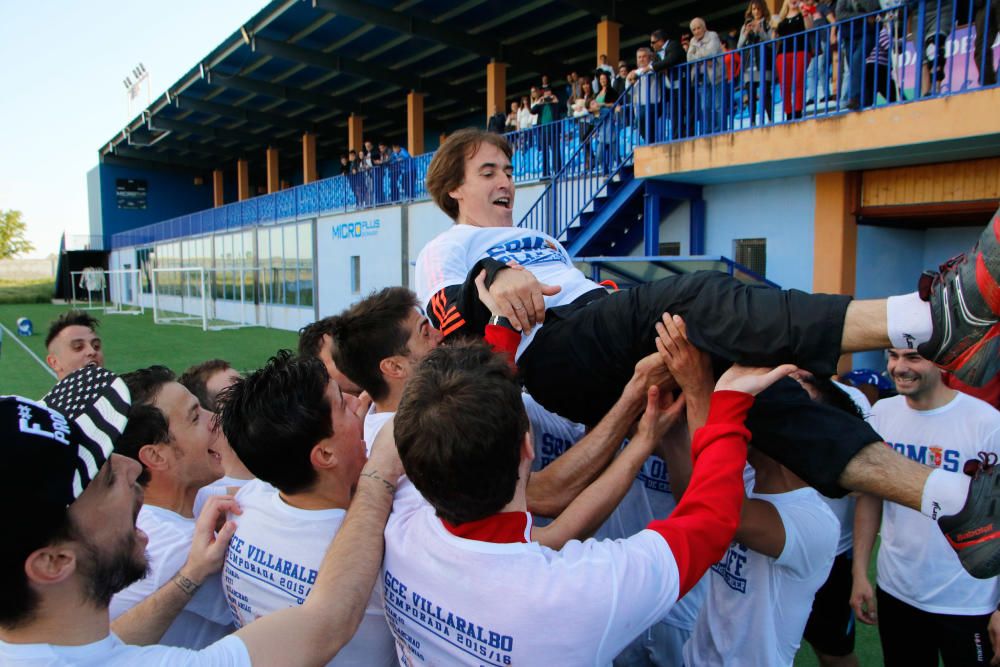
[454, 600]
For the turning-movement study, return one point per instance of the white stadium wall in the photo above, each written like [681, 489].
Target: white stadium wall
[370, 241]
[781, 210]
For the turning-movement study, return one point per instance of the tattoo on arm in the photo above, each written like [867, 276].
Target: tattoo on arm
[389, 486]
[185, 584]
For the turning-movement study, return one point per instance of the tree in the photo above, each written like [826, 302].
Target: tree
[12, 229]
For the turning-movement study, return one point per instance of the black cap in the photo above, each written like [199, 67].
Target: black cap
[53, 449]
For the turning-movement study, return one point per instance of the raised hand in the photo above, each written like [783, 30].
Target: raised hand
[212, 533]
[691, 368]
[662, 413]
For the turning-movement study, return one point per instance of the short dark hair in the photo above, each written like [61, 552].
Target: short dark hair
[311, 336]
[196, 380]
[41, 525]
[658, 35]
[447, 169]
[368, 332]
[147, 425]
[275, 416]
[68, 319]
[459, 430]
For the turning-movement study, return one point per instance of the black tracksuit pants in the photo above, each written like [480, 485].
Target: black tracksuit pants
[586, 352]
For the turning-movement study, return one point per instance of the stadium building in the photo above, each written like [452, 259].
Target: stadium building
[223, 202]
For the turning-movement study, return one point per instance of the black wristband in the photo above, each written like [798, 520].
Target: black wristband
[492, 266]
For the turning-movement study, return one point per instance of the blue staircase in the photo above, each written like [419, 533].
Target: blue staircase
[594, 205]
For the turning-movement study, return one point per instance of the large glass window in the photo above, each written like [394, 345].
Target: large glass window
[291, 276]
[265, 283]
[305, 264]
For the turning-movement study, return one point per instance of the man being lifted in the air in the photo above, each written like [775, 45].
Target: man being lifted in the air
[578, 362]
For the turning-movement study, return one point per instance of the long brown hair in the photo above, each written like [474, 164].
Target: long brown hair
[765, 13]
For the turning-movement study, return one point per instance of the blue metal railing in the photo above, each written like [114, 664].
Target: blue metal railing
[917, 49]
[606, 146]
[539, 151]
[912, 51]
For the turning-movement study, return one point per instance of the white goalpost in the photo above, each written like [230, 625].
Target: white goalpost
[212, 299]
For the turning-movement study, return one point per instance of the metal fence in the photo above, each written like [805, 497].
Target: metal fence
[911, 51]
[539, 152]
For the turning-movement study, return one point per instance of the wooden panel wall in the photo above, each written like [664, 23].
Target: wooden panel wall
[969, 180]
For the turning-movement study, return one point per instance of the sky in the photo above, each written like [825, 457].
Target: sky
[62, 63]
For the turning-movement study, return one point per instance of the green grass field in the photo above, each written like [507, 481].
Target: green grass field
[133, 341]
[130, 342]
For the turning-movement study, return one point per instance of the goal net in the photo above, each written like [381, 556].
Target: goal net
[212, 299]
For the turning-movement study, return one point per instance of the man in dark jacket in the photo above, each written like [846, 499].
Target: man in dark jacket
[669, 53]
[496, 121]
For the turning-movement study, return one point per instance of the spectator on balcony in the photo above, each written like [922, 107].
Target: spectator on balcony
[704, 43]
[404, 172]
[510, 124]
[356, 177]
[937, 26]
[669, 54]
[757, 69]
[878, 69]
[855, 37]
[383, 148]
[646, 94]
[602, 65]
[345, 166]
[495, 123]
[822, 46]
[369, 160]
[603, 135]
[525, 119]
[547, 109]
[987, 20]
[792, 55]
[368, 156]
[732, 75]
[581, 106]
[399, 153]
[606, 94]
[707, 75]
[573, 91]
[621, 81]
[685, 41]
